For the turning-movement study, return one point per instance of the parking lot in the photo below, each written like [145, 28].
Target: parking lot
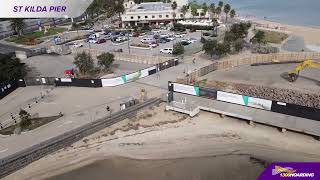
[125, 46]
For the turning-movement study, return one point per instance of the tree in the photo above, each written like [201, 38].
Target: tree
[212, 9]
[222, 49]
[220, 4]
[205, 8]
[238, 45]
[226, 10]
[259, 37]
[178, 48]
[184, 11]
[25, 119]
[174, 6]
[105, 60]
[119, 9]
[11, 68]
[218, 11]
[84, 62]
[215, 25]
[232, 13]
[194, 11]
[76, 27]
[209, 47]
[17, 25]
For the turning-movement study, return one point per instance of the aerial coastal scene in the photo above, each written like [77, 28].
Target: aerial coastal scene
[162, 89]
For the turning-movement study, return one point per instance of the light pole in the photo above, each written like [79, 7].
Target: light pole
[128, 43]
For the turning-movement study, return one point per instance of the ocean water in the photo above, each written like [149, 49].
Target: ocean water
[294, 12]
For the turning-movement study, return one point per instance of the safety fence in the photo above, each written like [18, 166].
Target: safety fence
[125, 57]
[7, 88]
[252, 59]
[21, 159]
[244, 100]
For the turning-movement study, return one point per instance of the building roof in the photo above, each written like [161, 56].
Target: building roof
[152, 6]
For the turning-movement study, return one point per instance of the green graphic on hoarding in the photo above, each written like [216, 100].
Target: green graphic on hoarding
[245, 100]
[123, 77]
[197, 90]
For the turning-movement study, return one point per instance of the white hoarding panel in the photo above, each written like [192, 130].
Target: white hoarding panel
[112, 82]
[229, 97]
[186, 89]
[66, 80]
[244, 100]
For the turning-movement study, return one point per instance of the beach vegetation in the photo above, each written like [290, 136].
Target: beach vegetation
[178, 49]
[105, 60]
[11, 68]
[274, 36]
[84, 63]
[259, 38]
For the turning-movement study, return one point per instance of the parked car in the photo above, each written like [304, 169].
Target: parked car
[179, 35]
[166, 51]
[171, 38]
[164, 35]
[77, 45]
[100, 41]
[185, 42]
[147, 40]
[135, 34]
[154, 44]
[166, 39]
[162, 40]
[92, 41]
[156, 36]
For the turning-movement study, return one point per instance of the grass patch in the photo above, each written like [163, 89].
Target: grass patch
[275, 37]
[34, 37]
[35, 123]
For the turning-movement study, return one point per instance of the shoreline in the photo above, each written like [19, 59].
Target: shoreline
[310, 34]
[157, 136]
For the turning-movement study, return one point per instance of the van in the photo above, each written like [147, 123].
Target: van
[147, 40]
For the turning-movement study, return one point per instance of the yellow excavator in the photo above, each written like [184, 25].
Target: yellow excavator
[294, 74]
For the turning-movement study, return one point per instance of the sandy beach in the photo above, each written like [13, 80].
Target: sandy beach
[168, 145]
[311, 35]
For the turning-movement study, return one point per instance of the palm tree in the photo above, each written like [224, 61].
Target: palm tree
[220, 4]
[218, 11]
[17, 25]
[118, 8]
[232, 13]
[184, 11]
[205, 8]
[226, 10]
[212, 9]
[215, 25]
[174, 6]
[194, 11]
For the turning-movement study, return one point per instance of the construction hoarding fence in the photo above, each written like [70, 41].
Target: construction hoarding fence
[38, 81]
[253, 59]
[78, 82]
[244, 100]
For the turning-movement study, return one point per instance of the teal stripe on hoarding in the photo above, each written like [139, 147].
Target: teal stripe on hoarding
[197, 90]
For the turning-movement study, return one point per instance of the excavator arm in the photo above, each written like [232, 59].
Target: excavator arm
[294, 74]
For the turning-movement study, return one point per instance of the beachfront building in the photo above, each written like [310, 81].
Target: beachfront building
[156, 13]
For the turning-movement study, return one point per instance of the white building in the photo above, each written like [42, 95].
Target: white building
[155, 13]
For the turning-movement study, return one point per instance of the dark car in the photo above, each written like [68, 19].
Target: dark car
[162, 40]
[166, 39]
[156, 36]
[185, 43]
[100, 41]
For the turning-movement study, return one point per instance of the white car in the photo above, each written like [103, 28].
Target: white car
[171, 38]
[166, 51]
[92, 41]
[77, 45]
[179, 35]
[147, 40]
[122, 38]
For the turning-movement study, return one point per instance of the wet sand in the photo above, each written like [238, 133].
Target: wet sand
[241, 167]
